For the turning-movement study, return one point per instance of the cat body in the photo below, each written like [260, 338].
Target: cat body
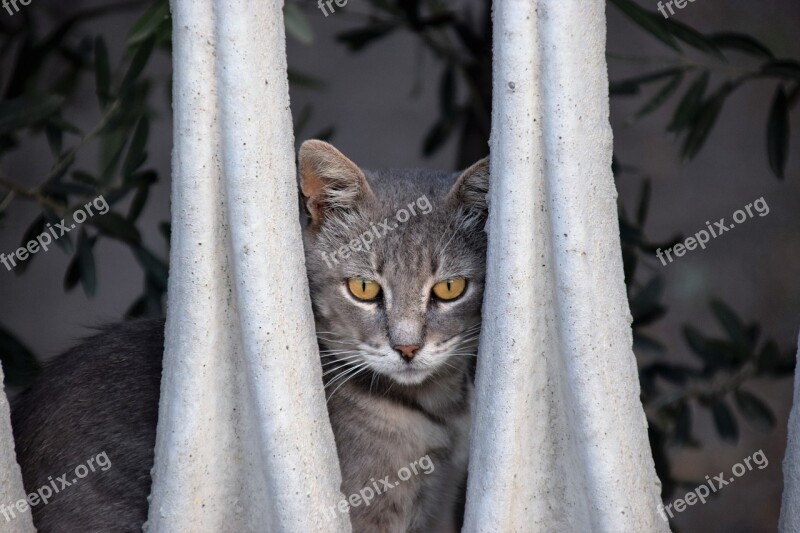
[395, 264]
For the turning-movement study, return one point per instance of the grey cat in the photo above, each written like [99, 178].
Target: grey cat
[396, 265]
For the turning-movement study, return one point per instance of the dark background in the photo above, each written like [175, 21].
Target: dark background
[382, 102]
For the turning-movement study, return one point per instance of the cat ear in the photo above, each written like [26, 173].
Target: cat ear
[472, 186]
[329, 181]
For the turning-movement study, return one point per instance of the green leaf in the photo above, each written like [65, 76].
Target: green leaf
[112, 145]
[778, 132]
[73, 274]
[648, 21]
[136, 151]
[102, 72]
[117, 227]
[733, 354]
[690, 103]
[28, 111]
[630, 262]
[149, 23]
[706, 349]
[138, 63]
[55, 139]
[693, 37]
[675, 374]
[302, 119]
[447, 91]
[358, 39]
[768, 357]
[683, 426]
[662, 95]
[68, 188]
[741, 43]
[645, 342]
[326, 134]
[754, 410]
[88, 273]
[58, 122]
[143, 177]
[649, 296]
[734, 327]
[296, 24]
[63, 241]
[304, 80]
[166, 231]
[644, 202]
[138, 203]
[34, 230]
[437, 136]
[137, 309]
[782, 69]
[725, 423]
[153, 296]
[704, 122]
[153, 266]
[631, 85]
[771, 362]
[85, 178]
[19, 364]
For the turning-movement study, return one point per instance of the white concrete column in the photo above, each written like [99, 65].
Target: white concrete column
[243, 442]
[559, 440]
[790, 506]
[11, 489]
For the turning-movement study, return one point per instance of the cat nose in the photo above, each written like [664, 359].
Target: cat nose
[406, 351]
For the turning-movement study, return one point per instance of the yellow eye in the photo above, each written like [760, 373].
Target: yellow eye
[450, 289]
[364, 289]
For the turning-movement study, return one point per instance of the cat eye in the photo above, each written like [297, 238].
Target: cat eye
[364, 289]
[450, 289]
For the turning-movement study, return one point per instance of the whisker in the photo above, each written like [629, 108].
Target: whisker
[466, 332]
[342, 360]
[339, 335]
[348, 369]
[336, 352]
[337, 341]
[345, 381]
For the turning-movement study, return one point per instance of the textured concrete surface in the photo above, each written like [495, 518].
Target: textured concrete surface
[243, 442]
[559, 441]
[790, 503]
[11, 489]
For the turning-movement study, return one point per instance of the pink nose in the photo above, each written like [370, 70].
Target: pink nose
[406, 351]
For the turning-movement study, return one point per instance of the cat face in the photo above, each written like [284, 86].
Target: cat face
[396, 266]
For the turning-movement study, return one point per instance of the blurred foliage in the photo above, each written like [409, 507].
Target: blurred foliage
[42, 70]
[45, 57]
[461, 40]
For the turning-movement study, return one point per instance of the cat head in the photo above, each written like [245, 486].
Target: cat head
[396, 263]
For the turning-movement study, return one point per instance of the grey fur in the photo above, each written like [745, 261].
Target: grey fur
[103, 394]
[382, 419]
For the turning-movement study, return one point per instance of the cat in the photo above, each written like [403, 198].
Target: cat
[395, 263]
